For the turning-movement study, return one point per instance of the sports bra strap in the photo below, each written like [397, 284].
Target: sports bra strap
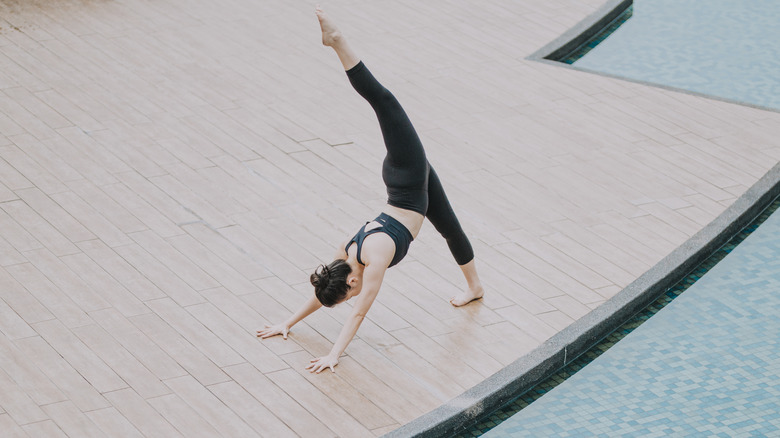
[396, 230]
[359, 238]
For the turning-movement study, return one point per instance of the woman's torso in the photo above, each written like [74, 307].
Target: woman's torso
[410, 220]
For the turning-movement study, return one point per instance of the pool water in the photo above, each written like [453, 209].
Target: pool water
[707, 364]
[729, 49]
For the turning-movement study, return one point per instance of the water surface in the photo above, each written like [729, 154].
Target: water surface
[724, 48]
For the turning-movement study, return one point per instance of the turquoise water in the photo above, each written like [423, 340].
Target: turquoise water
[729, 49]
[707, 364]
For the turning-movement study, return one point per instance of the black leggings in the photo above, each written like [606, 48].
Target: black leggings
[411, 182]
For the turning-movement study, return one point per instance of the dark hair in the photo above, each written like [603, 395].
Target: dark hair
[330, 282]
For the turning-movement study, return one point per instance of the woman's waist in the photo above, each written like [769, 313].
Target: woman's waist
[410, 220]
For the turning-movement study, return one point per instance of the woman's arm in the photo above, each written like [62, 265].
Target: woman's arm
[372, 281]
[307, 309]
[282, 329]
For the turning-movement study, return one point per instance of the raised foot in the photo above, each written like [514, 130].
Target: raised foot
[467, 296]
[331, 35]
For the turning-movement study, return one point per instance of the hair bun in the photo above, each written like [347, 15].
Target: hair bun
[320, 277]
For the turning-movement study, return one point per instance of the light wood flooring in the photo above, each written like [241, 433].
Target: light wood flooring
[171, 172]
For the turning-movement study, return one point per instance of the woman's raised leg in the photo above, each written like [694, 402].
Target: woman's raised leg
[405, 168]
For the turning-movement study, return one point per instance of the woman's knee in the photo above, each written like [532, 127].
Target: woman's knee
[461, 249]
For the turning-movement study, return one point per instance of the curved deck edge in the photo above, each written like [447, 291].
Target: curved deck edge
[529, 370]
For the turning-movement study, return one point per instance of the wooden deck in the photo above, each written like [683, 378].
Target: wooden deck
[172, 171]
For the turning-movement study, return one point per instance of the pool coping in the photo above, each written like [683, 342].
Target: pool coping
[562, 348]
[583, 31]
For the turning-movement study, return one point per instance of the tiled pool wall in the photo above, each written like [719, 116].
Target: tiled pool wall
[594, 41]
[596, 26]
[535, 393]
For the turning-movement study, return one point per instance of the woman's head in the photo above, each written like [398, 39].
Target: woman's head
[330, 282]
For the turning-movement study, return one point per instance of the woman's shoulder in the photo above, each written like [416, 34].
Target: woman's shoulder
[378, 248]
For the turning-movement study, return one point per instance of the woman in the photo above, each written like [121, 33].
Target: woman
[414, 193]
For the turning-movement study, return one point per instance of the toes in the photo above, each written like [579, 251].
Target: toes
[462, 301]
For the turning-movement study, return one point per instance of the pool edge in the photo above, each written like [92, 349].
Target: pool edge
[583, 31]
[527, 371]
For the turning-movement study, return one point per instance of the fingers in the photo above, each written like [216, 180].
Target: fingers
[262, 332]
[315, 367]
[319, 365]
[269, 331]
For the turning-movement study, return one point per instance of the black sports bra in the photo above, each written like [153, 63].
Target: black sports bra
[390, 226]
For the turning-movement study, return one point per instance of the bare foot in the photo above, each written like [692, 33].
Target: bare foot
[467, 296]
[331, 35]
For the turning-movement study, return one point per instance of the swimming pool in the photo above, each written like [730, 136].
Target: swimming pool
[727, 49]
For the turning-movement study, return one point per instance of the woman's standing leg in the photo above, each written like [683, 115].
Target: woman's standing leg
[442, 216]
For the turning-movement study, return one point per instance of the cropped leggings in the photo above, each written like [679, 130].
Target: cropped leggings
[411, 182]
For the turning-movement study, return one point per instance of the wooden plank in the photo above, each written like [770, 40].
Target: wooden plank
[209, 407]
[71, 420]
[113, 423]
[141, 414]
[251, 410]
[62, 373]
[275, 399]
[179, 349]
